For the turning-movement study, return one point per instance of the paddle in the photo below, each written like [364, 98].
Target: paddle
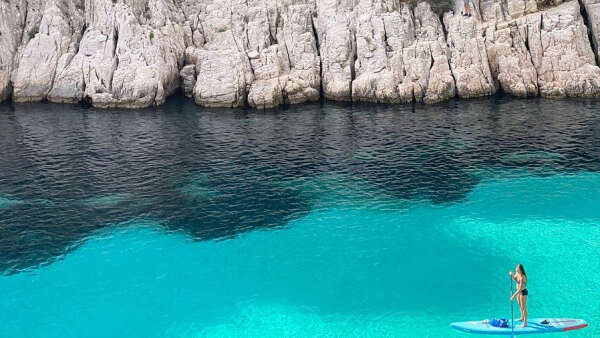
[512, 313]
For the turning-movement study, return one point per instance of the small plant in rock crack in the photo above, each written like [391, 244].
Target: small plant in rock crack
[32, 32]
[439, 7]
[151, 36]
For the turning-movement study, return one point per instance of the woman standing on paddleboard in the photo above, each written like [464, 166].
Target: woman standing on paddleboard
[521, 278]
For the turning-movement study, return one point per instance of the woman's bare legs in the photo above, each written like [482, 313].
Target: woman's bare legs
[524, 309]
[520, 306]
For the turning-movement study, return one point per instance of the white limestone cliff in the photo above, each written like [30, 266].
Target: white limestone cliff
[263, 53]
[129, 55]
[401, 55]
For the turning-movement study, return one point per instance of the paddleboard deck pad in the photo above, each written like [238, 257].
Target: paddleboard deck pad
[534, 326]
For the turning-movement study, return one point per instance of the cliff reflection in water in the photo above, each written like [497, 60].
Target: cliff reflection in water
[66, 171]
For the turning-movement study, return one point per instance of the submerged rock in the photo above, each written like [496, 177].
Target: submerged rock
[7, 202]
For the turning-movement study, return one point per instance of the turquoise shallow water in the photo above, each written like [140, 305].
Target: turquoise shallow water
[386, 267]
[331, 220]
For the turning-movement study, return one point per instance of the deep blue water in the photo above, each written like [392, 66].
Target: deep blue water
[314, 220]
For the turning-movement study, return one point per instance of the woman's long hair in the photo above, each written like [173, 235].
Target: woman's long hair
[521, 269]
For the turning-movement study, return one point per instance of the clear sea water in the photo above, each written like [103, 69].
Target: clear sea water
[329, 220]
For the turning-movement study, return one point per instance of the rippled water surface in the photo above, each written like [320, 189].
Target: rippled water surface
[315, 220]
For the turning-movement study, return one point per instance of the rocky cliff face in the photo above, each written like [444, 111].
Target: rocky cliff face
[263, 53]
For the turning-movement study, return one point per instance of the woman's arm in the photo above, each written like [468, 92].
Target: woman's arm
[519, 289]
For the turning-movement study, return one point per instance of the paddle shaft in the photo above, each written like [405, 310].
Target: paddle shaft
[512, 313]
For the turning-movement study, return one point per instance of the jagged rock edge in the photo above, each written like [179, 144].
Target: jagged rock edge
[316, 36]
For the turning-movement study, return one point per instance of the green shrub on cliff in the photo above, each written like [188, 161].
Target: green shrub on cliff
[32, 32]
[439, 7]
